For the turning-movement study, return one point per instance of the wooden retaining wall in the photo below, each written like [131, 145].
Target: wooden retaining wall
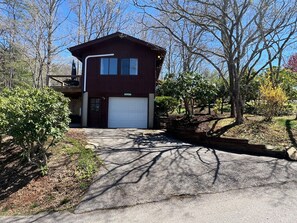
[241, 146]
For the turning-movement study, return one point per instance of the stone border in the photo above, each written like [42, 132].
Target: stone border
[241, 146]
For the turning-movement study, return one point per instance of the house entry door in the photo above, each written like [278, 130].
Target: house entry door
[94, 114]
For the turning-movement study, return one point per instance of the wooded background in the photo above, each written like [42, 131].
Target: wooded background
[234, 40]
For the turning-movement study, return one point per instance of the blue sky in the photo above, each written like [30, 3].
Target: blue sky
[68, 27]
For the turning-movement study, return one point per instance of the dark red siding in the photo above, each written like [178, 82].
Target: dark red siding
[103, 87]
[143, 83]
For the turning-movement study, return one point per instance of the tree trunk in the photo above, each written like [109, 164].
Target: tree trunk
[186, 104]
[238, 102]
[222, 106]
[192, 106]
[231, 70]
[232, 103]
[49, 51]
[238, 109]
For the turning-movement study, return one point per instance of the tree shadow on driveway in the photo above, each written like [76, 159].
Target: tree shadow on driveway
[150, 167]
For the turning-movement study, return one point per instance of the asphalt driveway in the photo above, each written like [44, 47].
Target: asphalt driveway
[145, 166]
[160, 179]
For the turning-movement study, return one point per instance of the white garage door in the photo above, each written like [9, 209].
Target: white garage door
[127, 112]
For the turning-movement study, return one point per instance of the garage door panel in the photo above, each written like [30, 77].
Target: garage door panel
[127, 112]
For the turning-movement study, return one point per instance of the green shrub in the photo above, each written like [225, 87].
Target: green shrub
[288, 109]
[217, 106]
[33, 117]
[251, 108]
[227, 107]
[165, 104]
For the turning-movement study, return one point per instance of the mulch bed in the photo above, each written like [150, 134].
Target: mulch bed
[25, 191]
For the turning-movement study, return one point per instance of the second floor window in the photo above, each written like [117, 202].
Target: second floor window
[109, 66]
[129, 66]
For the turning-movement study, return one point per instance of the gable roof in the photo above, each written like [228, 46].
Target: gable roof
[75, 50]
[161, 52]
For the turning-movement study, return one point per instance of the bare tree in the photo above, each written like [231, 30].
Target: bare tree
[236, 34]
[29, 34]
[10, 12]
[281, 42]
[97, 18]
[34, 43]
[49, 9]
[179, 59]
[41, 39]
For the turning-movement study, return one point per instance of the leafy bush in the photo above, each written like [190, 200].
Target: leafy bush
[192, 88]
[272, 100]
[288, 109]
[32, 117]
[251, 107]
[165, 104]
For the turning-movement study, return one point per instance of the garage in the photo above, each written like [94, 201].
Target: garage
[129, 112]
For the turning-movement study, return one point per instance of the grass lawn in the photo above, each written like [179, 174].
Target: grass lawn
[70, 170]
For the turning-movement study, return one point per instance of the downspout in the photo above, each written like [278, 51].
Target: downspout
[86, 63]
[85, 93]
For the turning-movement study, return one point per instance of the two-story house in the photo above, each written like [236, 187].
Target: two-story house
[117, 86]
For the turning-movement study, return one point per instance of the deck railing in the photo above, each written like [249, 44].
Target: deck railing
[65, 83]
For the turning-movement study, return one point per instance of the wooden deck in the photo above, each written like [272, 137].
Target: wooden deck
[65, 83]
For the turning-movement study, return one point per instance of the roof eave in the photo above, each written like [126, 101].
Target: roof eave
[81, 46]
